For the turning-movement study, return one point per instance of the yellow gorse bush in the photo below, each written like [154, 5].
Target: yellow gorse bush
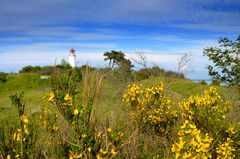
[210, 103]
[150, 107]
[50, 97]
[191, 143]
[225, 150]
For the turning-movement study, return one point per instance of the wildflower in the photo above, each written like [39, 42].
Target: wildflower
[17, 136]
[26, 131]
[75, 156]
[191, 144]
[103, 152]
[98, 134]
[231, 130]
[84, 135]
[75, 112]
[55, 128]
[8, 156]
[68, 99]
[225, 150]
[98, 156]
[50, 97]
[89, 149]
[113, 151]
[109, 130]
[24, 119]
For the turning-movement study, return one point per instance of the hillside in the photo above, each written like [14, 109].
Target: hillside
[108, 113]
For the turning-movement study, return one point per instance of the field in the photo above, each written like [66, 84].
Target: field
[114, 125]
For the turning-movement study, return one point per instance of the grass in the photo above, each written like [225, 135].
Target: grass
[109, 112]
[32, 86]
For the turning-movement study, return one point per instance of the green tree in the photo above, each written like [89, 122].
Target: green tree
[114, 57]
[226, 61]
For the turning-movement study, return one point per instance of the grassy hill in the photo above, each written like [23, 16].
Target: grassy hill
[34, 88]
[109, 111]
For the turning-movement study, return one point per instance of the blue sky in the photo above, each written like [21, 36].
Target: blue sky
[34, 32]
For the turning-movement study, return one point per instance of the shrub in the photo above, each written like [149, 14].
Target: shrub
[203, 82]
[151, 109]
[215, 83]
[3, 77]
[142, 74]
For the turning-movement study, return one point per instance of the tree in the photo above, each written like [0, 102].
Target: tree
[114, 57]
[226, 60]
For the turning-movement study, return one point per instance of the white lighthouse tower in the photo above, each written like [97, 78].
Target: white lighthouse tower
[72, 58]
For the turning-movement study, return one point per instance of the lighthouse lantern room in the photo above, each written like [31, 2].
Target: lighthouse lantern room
[72, 58]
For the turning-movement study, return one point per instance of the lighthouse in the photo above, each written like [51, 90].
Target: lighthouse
[72, 58]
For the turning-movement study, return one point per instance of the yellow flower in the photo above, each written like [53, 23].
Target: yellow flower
[109, 130]
[89, 149]
[24, 119]
[75, 156]
[50, 97]
[8, 157]
[26, 131]
[55, 128]
[17, 136]
[84, 135]
[75, 112]
[68, 99]
[103, 152]
[113, 151]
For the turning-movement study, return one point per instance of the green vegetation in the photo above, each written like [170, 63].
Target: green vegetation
[103, 113]
[3, 77]
[226, 60]
[82, 116]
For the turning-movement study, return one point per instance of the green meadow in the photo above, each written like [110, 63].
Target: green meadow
[110, 114]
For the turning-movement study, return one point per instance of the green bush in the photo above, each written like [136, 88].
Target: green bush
[3, 77]
[203, 82]
[142, 74]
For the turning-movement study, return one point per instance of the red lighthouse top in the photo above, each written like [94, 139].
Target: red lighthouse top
[72, 50]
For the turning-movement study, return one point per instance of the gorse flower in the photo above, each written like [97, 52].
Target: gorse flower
[68, 100]
[50, 97]
[151, 107]
[225, 150]
[75, 112]
[210, 102]
[191, 143]
[17, 136]
[24, 119]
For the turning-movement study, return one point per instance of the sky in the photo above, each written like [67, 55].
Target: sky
[41, 32]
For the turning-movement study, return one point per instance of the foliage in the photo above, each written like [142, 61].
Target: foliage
[155, 71]
[142, 74]
[215, 83]
[45, 69]
[151, 109]
[21, 141]
[192, 143]
[226, 61]
[77, 109]
[208, 113]
[204, 131]
[202, 82]
[80, 118]
[117, 58]
[3, 77]
[114, 57]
